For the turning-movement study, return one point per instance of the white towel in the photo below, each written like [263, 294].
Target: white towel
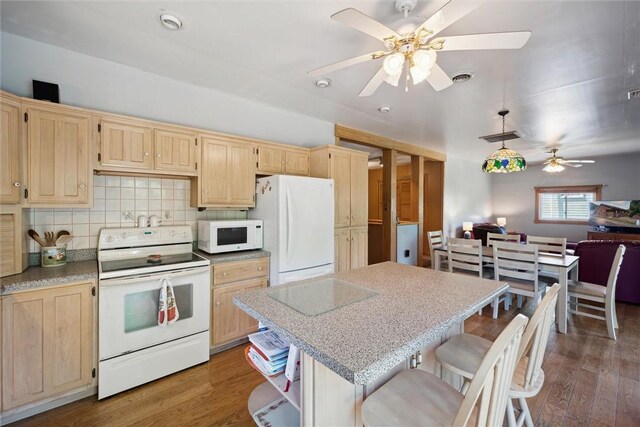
[167, 306]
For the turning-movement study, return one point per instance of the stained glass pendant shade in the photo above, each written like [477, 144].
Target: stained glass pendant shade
[504, 160]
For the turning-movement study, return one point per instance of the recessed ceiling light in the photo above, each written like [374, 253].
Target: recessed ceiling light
[462, 77]
[384, 108]
[170, 21]
[323, 83]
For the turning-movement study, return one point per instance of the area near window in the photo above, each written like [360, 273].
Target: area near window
[565, 205]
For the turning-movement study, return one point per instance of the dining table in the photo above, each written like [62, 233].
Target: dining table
[566, 266]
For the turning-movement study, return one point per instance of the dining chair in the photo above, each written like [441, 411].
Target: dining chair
[436, 240]
[465, 256]
[551, 245]
[497, 237]
[417, 397]
[597, 293]
[462, 354]
[519, 265]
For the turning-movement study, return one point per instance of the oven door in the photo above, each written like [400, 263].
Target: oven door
[128, 317]
[228, 238]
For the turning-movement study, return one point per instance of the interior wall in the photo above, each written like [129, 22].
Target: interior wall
[514, 196]
[467, 195]
[90, 82]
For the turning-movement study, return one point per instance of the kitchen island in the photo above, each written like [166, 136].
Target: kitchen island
[356, 329]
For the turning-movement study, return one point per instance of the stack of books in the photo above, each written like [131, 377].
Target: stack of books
[268, 352]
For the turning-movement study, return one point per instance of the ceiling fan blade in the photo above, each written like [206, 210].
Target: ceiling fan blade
[319, 72]
[580, 161]
[358, 20]
[447, 15]
[514, 40]
[571, 165]
[374, 83]
[438, 78]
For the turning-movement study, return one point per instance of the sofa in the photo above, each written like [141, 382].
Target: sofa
[596, 257]
[480, 231]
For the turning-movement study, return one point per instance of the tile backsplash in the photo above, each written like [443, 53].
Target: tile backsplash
[117, 202]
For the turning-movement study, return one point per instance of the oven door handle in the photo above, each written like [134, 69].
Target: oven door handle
[153, 276]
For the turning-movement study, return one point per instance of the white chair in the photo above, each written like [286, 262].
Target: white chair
[436, 240]
[463, 353]
[552, 245]
[597, 293]
[415, 397]
[465, 256]
[518, 265]
[497, 237]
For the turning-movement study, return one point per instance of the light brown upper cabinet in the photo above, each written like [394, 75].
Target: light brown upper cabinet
[58, 153]
[175, 151]
[228, 173]
[348, 168]
[10, 184]
[274, 159]
[125, 145]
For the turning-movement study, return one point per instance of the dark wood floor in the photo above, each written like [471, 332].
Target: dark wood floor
[589, 380]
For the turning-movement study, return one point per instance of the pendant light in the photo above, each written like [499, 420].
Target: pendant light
[504, 160]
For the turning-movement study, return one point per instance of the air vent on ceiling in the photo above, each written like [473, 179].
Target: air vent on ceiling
[633, 94]
[498, 137]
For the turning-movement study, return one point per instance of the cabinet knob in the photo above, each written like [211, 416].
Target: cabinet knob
[352, 239]
[225, 274]
[146, 154]
[282, 162]
[347, 239]
[159, 155]
[353, 217]
[16, 184]
[259, 268]
[217, 302]
[288, 163]
[81, 185]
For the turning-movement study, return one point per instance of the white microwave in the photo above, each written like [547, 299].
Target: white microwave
[228, 236]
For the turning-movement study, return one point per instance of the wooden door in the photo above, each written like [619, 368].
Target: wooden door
[58, 152]
[340, 171]
[359, 256]
[270, 160]
[175, 151]
[229, 322]
[359, 190]
[297, 163]
[125, 144]
[46, 342]
[10, 184]
[215, 174]
[342, 250]
[242, 179]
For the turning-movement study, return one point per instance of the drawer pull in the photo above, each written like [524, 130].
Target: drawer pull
[225, 274]
[217, 302]
[260, 268]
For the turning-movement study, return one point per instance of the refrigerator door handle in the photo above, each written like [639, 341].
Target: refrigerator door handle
[289, 220]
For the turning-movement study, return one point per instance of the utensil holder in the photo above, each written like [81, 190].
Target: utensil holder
[53, 256]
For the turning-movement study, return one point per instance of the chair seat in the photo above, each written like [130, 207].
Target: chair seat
[587, 289]
[522, 284]
[412, 398]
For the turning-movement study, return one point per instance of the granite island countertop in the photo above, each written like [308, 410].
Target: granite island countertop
[38, 277]
[361, 341]
[233, 256]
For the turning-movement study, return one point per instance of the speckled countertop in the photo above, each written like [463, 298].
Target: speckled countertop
[37, 277]
[233, 256]
[363, 340]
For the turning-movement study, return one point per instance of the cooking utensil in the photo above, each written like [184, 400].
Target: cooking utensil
[50, 238]
[35, 236]
[64, 239]
[62, 233]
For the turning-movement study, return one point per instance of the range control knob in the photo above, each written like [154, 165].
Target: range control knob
[109, 239]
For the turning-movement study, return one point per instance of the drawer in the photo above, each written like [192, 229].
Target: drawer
[240, 270]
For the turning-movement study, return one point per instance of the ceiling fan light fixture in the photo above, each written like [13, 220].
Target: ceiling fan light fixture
[393, 64]
[553, 167]
[393, 80]
[423, 61]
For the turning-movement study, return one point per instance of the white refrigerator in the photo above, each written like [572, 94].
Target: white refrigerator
[298, 226]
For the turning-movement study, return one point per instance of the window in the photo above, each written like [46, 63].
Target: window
[565, 205]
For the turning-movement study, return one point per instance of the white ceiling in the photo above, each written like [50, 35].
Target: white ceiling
[569, 82]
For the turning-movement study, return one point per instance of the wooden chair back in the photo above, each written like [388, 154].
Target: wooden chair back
[497, 237]
[613, 276]
[553, 245]
[489, 389]
[465, 254]
[513, 260]
[435, 240]
[536, 335]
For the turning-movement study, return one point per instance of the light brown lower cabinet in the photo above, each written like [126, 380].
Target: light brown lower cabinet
[47, 343]
[350, 246]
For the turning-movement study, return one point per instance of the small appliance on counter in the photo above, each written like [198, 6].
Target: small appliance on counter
[229, 236]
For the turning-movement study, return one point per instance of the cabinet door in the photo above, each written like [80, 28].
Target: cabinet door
[340, 171]
[10, 151]
[359, 190]
[58, 152]
[125, 145]
[342, 250]
[297, 163]
[359, 243]
[229, 322]
[214, 177]
[242, 182]
[46, 342]
[270, 160]
[175, 151]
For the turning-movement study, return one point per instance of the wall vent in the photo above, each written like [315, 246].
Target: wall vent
[633, 94]
[498, 137]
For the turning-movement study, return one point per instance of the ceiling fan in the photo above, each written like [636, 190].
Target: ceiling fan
[416, 52]
[555, 164]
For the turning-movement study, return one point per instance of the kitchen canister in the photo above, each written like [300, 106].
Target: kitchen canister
[53, 256]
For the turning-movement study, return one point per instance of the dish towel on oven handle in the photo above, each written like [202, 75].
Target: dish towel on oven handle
[167, 307]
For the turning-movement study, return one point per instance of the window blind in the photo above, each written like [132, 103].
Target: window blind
[565, 206]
